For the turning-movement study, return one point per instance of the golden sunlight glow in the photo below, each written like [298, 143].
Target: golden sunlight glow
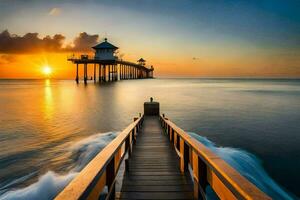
[47, 70]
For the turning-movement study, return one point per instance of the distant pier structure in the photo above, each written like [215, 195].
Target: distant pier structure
[108, 67]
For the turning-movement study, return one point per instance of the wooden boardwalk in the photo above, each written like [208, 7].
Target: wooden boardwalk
[154, 167]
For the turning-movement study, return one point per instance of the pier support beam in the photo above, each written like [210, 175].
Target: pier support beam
[94, 72]
[104, 74]
[121, 72]
[77, 77]
[85, 73]
[100, 78]
[109, 73]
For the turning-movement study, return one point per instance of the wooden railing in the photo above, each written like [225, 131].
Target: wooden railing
[208, 168]
[102, 170]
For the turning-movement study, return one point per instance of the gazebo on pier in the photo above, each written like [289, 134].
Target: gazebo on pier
[141, 61]
[109, 67]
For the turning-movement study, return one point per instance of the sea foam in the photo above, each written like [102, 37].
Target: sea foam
[248, 165]
[51, 183]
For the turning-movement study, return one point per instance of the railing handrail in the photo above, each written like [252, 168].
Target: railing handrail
[94, 174]
[233, 181]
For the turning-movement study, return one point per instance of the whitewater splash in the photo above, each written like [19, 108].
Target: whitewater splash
[51, 183]
[247, 165]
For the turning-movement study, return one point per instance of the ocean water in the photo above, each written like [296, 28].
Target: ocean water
[50, 129]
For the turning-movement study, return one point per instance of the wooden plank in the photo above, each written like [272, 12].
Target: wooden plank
[157, 188]
[154, 171]
[156, 195]
[156, 182]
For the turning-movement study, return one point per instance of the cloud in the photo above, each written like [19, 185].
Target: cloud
[32, 43]
[54, 12]
[84, 42]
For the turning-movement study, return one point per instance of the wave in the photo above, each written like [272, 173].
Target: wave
[247, 165]
[51, 183]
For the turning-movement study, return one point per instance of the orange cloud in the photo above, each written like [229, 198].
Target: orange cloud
[32, 43]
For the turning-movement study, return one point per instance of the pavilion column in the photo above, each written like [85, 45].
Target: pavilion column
[121, 72]
[135, 73]
[116, 72]
[124, 71]
[128, 68]
[77, 77]
[104, 73]
[85, 72]
[129, 72]
[109, 73]
[112, 72]
[94, 72]
[100, 73]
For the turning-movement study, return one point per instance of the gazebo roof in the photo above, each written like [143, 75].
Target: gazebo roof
[105, 45]
[141, 60]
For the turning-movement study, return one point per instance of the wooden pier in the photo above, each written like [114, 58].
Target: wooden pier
[108, 67]
[161, 162]
[153, 171]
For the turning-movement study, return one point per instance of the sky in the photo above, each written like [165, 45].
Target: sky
[180, 38]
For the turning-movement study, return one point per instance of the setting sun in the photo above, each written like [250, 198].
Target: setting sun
[47, 70]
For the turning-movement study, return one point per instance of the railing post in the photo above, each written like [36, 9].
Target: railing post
[195, 174]
[175, 140]
[136, 128]
[128, 145]
[202, 178]
[171, 134]
[110, 178]
[181, 150]
[184, 156]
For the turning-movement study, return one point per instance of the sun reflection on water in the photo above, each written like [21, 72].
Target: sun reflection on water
[48, 100]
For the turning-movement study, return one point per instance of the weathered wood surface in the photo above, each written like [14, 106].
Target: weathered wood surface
[154, 171]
